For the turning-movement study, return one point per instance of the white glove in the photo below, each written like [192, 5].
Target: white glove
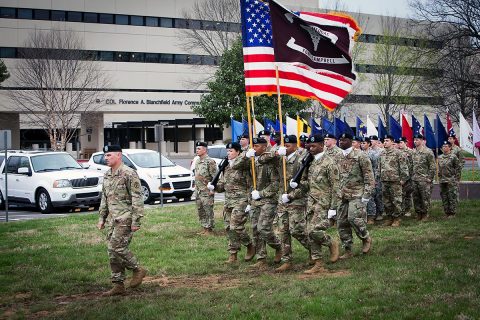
[248, 208]
[365, 200]
[332, 213]
[210, 186]
[282, 151]
[250, 153]
[293, 184]
[285, 198]
[255, 195]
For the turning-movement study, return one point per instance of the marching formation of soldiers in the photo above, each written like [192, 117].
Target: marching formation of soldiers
[302, 191]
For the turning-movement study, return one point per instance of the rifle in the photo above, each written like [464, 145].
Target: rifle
[221, 168]
[305, 163]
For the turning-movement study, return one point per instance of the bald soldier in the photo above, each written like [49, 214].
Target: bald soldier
[122, 205]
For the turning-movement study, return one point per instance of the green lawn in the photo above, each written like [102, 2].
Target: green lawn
[471, 175]
[56, 268]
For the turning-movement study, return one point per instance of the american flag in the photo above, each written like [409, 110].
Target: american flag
[295, 79]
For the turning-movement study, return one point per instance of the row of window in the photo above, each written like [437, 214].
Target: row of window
[120, 19]
[116, 56]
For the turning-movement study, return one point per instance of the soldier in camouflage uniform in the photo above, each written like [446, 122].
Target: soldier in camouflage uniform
[332, 150]
[393, 171]
[264, 202]
[122, 204]
[407, 189]
[377, 147]
[244, 141]
[457, 151]
[235, 182]
[423, 174]
[355, 188]
[374, 157]
[291, 207]
[357, 142]
[205, 169]
[448, 172]
[320, 181]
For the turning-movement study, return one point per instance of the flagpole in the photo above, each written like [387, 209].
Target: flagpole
[281, 129]
[253, 116]
[254, 178]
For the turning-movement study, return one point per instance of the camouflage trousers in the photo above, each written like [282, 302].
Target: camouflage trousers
[352, 214]
[407, 191]
[375, 205]
[205, 210]
[234, 218]
[422, 191]
[317, 225]
[121, 258]
[392, 198]
[291, 223]
[449, 194]
[262, 228]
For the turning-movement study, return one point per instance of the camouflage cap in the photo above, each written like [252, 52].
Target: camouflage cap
[112, 148]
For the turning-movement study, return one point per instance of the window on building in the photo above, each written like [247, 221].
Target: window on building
[7, 52]
[58, 15]
[166, 58]
[105, 18]
[152, 57]
[136, 21]
[234, 27]
[209, 60]
[7, 13]
[181, 23]
[194, 59]
[180, 59]
[25, 14]
[151, 21]
[166, 22]
[211, 25]
[74, 16]
[90, 17]
[40, 14]
[121, 19]
[122, 56]
[195, 24]
[137, 57]
[106, 56]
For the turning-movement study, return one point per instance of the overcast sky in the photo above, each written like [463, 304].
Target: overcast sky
[398, 8]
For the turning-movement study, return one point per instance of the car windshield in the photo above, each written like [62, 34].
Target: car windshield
[54, 162]
[217, 153]
[150, 160]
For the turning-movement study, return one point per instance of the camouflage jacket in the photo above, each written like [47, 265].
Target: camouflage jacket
[323, 178]
[333, 151]
[448, 168]
[409, 156]
[356, 175]
[297, 195]
[267, 178]
[374, 156]
[423, 164]
[393, 166]
[235, 181]
[205, 170]
[457, 151]
[121, 197]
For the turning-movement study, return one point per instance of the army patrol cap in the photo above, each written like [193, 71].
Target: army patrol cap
[357, 138]
[419, 136]
[389, 136]
[397, 140]
[112, 148]
[374, 137]
[315, 138]
[259, 141]
[290, 139]
[264, 133]
[234, 145]
[330, 136]
[346, 136]
[446, 143]
[303, 138]
[201, 144]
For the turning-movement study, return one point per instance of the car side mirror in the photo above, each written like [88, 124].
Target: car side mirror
[24, 170]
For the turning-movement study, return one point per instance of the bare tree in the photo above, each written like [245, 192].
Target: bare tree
[4, 75]
[60, 81]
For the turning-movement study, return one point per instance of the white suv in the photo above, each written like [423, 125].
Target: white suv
[48, 179]
[176, 180]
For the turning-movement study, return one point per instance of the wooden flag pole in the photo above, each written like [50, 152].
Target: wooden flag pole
[253, 116]
[281, 129]
[249, 118]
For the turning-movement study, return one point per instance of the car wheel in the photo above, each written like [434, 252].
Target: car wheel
[44, 204]
[147, 195]
[2, 202]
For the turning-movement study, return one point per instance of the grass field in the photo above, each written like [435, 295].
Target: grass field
[471, 175]
[57, 268]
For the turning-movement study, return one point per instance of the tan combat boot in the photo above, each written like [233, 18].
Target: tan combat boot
[284, 267]
[232, 258]
[261, 264]
[117, 290]
[317, 268]
[208, 232]
[137, 277]
[367, 244]
[347, 255]
[250, 252]
[396, 222]
[334, 251]
[278, 256]
[388, 222]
